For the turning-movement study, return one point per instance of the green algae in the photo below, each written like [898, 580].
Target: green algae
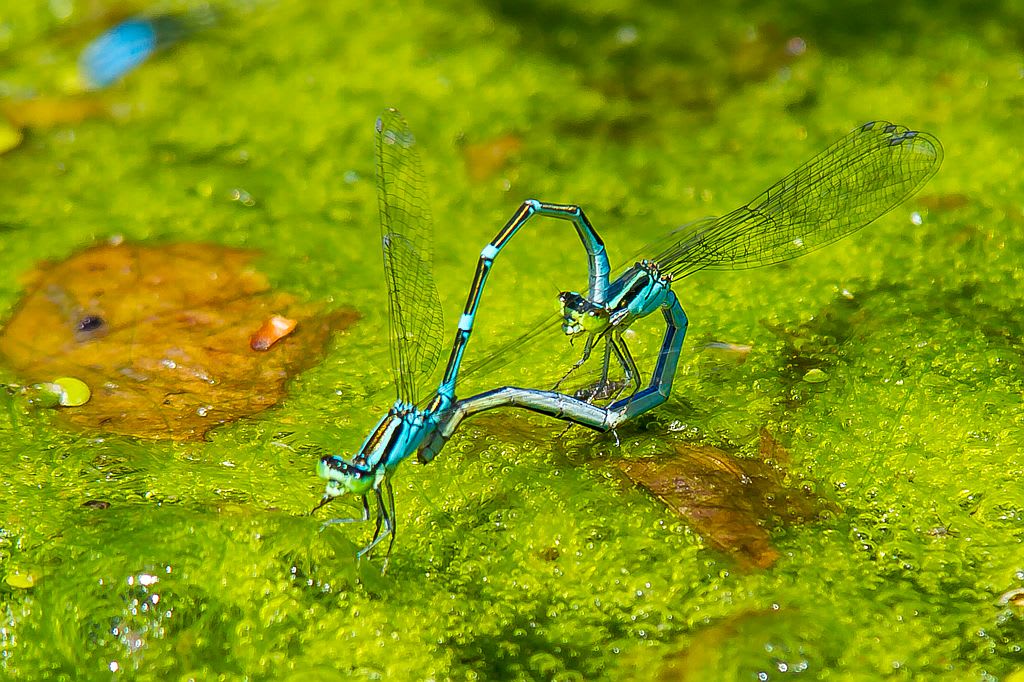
[520, 553]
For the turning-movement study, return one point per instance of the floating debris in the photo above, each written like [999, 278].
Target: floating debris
[63, 392]
[727, 500]
[815, 376]
[486, 159]
[21, 579]
[272, 331]
[162, 335]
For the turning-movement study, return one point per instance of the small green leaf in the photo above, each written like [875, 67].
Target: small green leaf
[74, 392]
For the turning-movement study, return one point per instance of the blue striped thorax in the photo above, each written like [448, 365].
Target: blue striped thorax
[397, 436]
[638, 292]
[641, 290]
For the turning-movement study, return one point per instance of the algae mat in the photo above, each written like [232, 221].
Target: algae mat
[859, 410]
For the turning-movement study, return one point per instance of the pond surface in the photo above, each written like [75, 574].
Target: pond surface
[884, 373]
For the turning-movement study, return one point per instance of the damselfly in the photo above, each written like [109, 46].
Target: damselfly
[856, 180]
[415, 323]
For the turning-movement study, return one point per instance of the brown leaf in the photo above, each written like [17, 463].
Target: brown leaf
[484, 159]
[161, 335]
[944, 202]
[726, 499]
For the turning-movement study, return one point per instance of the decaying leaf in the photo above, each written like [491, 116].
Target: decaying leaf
[727, 500]
[485, 159]
[161, 335]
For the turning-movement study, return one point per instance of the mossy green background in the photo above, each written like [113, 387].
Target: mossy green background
[521, 554]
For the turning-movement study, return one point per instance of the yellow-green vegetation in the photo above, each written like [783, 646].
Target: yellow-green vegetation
[887, 368]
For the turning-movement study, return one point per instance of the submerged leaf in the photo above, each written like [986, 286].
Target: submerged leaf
[727, 500]
[162, 337]
[703, 657]
[486, 159]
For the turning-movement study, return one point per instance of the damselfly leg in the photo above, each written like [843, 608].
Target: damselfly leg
[588, 347]
[384, 518]
[605, 389]
[385, 514]
[353, 519]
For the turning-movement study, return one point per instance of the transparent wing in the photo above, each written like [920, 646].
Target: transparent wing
[408, 242]
[507, 352]
[847, 186]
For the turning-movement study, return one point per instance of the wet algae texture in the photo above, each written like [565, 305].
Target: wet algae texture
[860, 408]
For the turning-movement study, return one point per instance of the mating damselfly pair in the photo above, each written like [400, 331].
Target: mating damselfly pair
[851, 183]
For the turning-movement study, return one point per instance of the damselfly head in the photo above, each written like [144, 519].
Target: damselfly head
[580, 315]
[344, 478]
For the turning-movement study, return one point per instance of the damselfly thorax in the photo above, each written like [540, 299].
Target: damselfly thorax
[636, 293]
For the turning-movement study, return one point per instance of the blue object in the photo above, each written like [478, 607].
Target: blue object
[124, 47]
[415, 334]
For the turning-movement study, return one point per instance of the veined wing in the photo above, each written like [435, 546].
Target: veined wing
[512, 350]
[407, 237]
[847, 186]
